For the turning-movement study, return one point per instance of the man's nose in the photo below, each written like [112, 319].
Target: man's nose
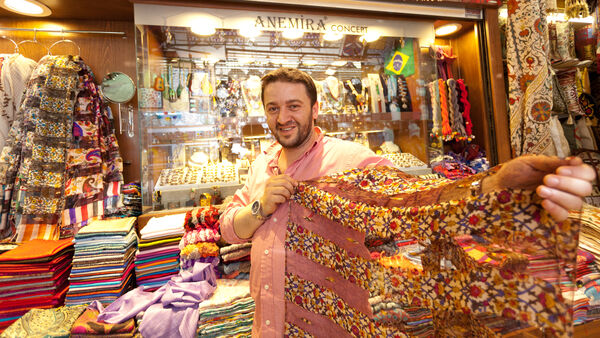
[284, 116]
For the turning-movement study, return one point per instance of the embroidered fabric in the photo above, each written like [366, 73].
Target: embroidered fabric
[509, 271]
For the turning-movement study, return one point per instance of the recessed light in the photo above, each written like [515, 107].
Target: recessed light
[26, 7]
[332, 36]
[309, 62]
[339, 63]
[248, 30]
[292, 34]
[203, 27]
[370, 36]
[447, 29]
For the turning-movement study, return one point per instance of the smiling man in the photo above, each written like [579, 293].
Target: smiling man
[259, 211]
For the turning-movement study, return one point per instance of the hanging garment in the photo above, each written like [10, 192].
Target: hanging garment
[466, 108]
[62, 152]
[436, 112]
[32, 163]
[512, 270]
[15, 70]
[94, 166]
[529, 80]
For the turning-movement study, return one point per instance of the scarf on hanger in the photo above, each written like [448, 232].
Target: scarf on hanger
[495, 258]
[529, 78]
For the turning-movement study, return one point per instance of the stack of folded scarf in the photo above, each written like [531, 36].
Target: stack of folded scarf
[103, 261]
[236, 261]
[228, 312]
[158, 257]
[34, 274]
[88, 326]
[198, 244]
[132, 199]
[588, 279]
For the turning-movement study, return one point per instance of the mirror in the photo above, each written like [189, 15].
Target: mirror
[117, 87]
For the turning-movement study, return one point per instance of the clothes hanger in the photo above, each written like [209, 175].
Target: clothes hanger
[13, 41]
[33, 41]
[63, 40]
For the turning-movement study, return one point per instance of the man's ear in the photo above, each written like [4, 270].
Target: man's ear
[315, 110]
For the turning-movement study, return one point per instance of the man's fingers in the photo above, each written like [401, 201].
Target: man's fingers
[581, 171]
[556, 211]
[571, 185]
[562, 199]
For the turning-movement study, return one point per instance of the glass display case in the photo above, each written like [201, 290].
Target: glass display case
[201, 119]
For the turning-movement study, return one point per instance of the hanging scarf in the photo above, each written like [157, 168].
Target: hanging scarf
[446, 129]
[466, 111]
[436, 113]
[511, 264]
[458, 126]
[93, 166]
[530, 86]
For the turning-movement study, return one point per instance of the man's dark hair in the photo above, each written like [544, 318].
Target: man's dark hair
[285, 74]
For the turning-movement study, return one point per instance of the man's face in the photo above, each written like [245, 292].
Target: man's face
[289, 113]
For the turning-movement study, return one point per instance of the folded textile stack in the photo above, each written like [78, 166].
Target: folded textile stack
[228, 312]
[405, 160]
[132, 199]
[157, 259]
[581, 305]
[34, 274]
[236, 261]
[589, 237]
[88, 326]
[45, 322]
[103, 261]
[198, 244]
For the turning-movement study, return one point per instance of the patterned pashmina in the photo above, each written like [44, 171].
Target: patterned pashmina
[529, 80]
[45, 322]
[511, 272]
[94, 165]
[34, 157]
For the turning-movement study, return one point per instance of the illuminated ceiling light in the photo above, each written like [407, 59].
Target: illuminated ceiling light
[292, 34]
[370, 36]
[556, 17]
[330, 71]
[204, 27]
[332, 36]
[309, 62]
[248, 30]
[26, 7]
[245, 60]
[339, 63]
[447, 29]
[589, 19]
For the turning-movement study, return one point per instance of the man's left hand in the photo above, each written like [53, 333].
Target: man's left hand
[561, 183]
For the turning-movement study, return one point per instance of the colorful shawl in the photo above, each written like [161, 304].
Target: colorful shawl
[529, 78]
[333, 217]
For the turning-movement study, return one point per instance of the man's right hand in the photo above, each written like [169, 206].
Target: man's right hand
[278, 190]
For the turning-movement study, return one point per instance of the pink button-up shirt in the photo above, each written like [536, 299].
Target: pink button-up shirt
[326, 156]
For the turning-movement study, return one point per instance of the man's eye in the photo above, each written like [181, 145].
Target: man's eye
[294, 106]
[272, 109]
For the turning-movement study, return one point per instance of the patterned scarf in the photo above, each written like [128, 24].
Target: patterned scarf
[529, 79]
[511, 274]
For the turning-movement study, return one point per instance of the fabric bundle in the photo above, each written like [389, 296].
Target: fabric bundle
[45, 322]
[60, 166]
[157, 259]
[34, 274]
[88, 326]
[170, 311]
[405, 160]
[103, 266]
[198, 244]
[229, 312]
[451, 110]
[339, 213]
[236, 258]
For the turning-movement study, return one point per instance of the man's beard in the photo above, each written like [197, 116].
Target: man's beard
[303, 132]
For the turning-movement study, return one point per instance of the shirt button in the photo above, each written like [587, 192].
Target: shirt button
[266, 252]
[274, 219]
[268, 322]
[266, 286]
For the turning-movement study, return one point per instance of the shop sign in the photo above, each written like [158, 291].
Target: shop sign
[317, 24]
